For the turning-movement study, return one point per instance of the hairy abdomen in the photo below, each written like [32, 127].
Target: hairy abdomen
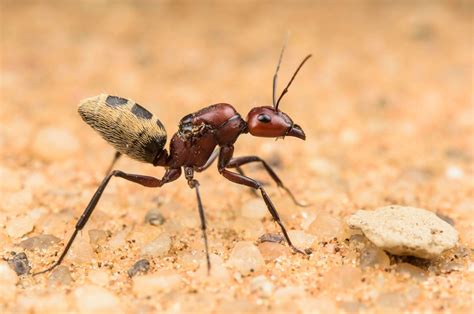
[127, 126]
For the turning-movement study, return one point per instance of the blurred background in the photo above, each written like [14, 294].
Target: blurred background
[386, 103]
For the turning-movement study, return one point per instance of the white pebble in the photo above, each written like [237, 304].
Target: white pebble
[246, 258]
[94, 299]
[7, 275]
[153, 284]
[19, 226]
[157, 247]
[54, 144]
[261, 286]
[454, 172]
[254, 208]
[405, 230]
[301, 239]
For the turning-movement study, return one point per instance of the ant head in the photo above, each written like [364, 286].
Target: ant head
[269, 122]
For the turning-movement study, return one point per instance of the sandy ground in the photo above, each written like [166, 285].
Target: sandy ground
[386, 103]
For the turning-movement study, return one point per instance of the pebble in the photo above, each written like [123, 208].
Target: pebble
[55, 144]
[327, 227]
[246, 258]
[142, 267]
[301, 239]
[94, 299]
[405, 230]
[271, 237]
[20, 226]
[60, 276]
[81, 251]
[7, 275]
[289, 293]
[261, 286]
[411, 271]
[372, 256]
[153, 284]
[271, 250]
[342, 277]
[218, 272]
[154, 217]
[99, 277]
[157, 247]
[254, 208]
[40, 242]
[20, 264]
[97, 236]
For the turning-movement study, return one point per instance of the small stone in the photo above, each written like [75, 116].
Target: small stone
[99, 277]
[411, 271]
[20, 264]
[158, 247]
[271, 251]
[142, 267]
[405, 230]
[352, 307]
[55, 144]
[271, 237]
[190, 260]
[7, 275]
[154, 217]
[60, 276]
[300, 239]
[342, 277]
[40, 242]
[254, 208]
[97, 236]
[326, 227]
[261, 286]
[81, 251]
[153, 284]
[94, 299]
[20, 226]
[372, 256]
[218, 272]
[246, 258]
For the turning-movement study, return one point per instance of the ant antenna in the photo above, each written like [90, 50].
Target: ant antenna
[289, 83]
[275, 76]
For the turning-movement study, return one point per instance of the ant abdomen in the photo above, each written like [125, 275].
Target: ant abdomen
[128, 127]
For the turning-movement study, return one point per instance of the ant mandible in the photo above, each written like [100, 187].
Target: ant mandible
[202, 137]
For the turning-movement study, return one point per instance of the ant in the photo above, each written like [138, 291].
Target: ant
[203, 136]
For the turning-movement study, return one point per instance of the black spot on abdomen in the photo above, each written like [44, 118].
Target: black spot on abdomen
[141, 112]
[116, 101]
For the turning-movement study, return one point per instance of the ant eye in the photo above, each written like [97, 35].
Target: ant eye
[265, 118]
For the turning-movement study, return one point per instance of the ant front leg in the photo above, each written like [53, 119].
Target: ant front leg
[194, 184]
[240, 161]
[225, 157]
[152, 182]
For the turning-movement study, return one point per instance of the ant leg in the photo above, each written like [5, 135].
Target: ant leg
[194, 184]
[209, 162]
[239, 161]
[240, 179]
[170, 175]
[241, 172]
[111, 166]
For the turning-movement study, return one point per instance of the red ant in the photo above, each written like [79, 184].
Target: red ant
[202, 137]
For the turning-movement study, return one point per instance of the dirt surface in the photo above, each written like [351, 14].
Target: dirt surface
[386, 103]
